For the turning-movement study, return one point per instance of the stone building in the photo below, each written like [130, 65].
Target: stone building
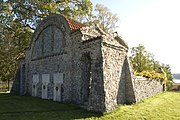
[70, 62]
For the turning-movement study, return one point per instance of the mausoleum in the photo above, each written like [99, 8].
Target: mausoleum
[70, 62]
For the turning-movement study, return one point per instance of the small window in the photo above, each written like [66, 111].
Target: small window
[44, 87]
[56, 88]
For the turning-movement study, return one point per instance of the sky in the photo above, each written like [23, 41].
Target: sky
[152, 23]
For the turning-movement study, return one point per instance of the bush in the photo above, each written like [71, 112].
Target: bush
[150, 74]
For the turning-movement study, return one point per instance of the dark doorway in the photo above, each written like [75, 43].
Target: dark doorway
[164, 87]
[86, 77]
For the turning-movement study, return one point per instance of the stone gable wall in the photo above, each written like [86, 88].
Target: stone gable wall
[50, 53]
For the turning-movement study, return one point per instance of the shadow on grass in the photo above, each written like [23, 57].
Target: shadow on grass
[53, 114]
[31, 108]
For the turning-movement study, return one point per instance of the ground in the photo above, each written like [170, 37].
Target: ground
[165, 106]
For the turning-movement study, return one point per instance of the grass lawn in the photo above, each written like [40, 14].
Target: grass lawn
[165, 106]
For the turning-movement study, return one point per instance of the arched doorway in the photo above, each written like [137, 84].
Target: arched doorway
[86, 78]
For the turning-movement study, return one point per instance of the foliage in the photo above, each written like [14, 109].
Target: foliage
[150, 74]
[18, 20]
[169, 77]
[145, 65]
[104, 18]
[29, 12]
[165, 106]
[12, 44]
[141, 59]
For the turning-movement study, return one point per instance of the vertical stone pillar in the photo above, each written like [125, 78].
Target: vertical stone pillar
[97, 94]
[35, 81]
[45, 82]
[58, 82]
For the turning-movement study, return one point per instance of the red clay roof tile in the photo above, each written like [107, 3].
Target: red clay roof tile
[74, 25]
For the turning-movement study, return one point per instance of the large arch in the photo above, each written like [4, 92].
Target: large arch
[50, 41]
[52, 28]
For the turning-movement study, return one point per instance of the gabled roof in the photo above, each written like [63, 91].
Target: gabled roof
[74, 25]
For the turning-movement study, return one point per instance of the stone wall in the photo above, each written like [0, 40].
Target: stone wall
[127, 76]
[80, 85]
[92, 50]
[145, 88]
[16, 84]
[114, 54]
[19, 85]
[50, 53]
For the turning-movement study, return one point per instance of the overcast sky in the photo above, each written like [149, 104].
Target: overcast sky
[153, 23]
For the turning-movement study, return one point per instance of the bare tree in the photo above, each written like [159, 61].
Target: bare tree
[106, 20]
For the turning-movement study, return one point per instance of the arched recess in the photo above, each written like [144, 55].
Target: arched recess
[50, 41]
[52, 20]
[86, 77]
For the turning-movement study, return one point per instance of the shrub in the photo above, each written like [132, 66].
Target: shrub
[150, 74]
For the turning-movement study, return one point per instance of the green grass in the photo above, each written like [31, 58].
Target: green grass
[30, 108]
[165, 106]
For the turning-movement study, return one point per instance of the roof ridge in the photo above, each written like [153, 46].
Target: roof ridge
[73, 24]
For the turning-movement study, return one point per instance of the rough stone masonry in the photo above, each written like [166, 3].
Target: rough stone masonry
[70, 62]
